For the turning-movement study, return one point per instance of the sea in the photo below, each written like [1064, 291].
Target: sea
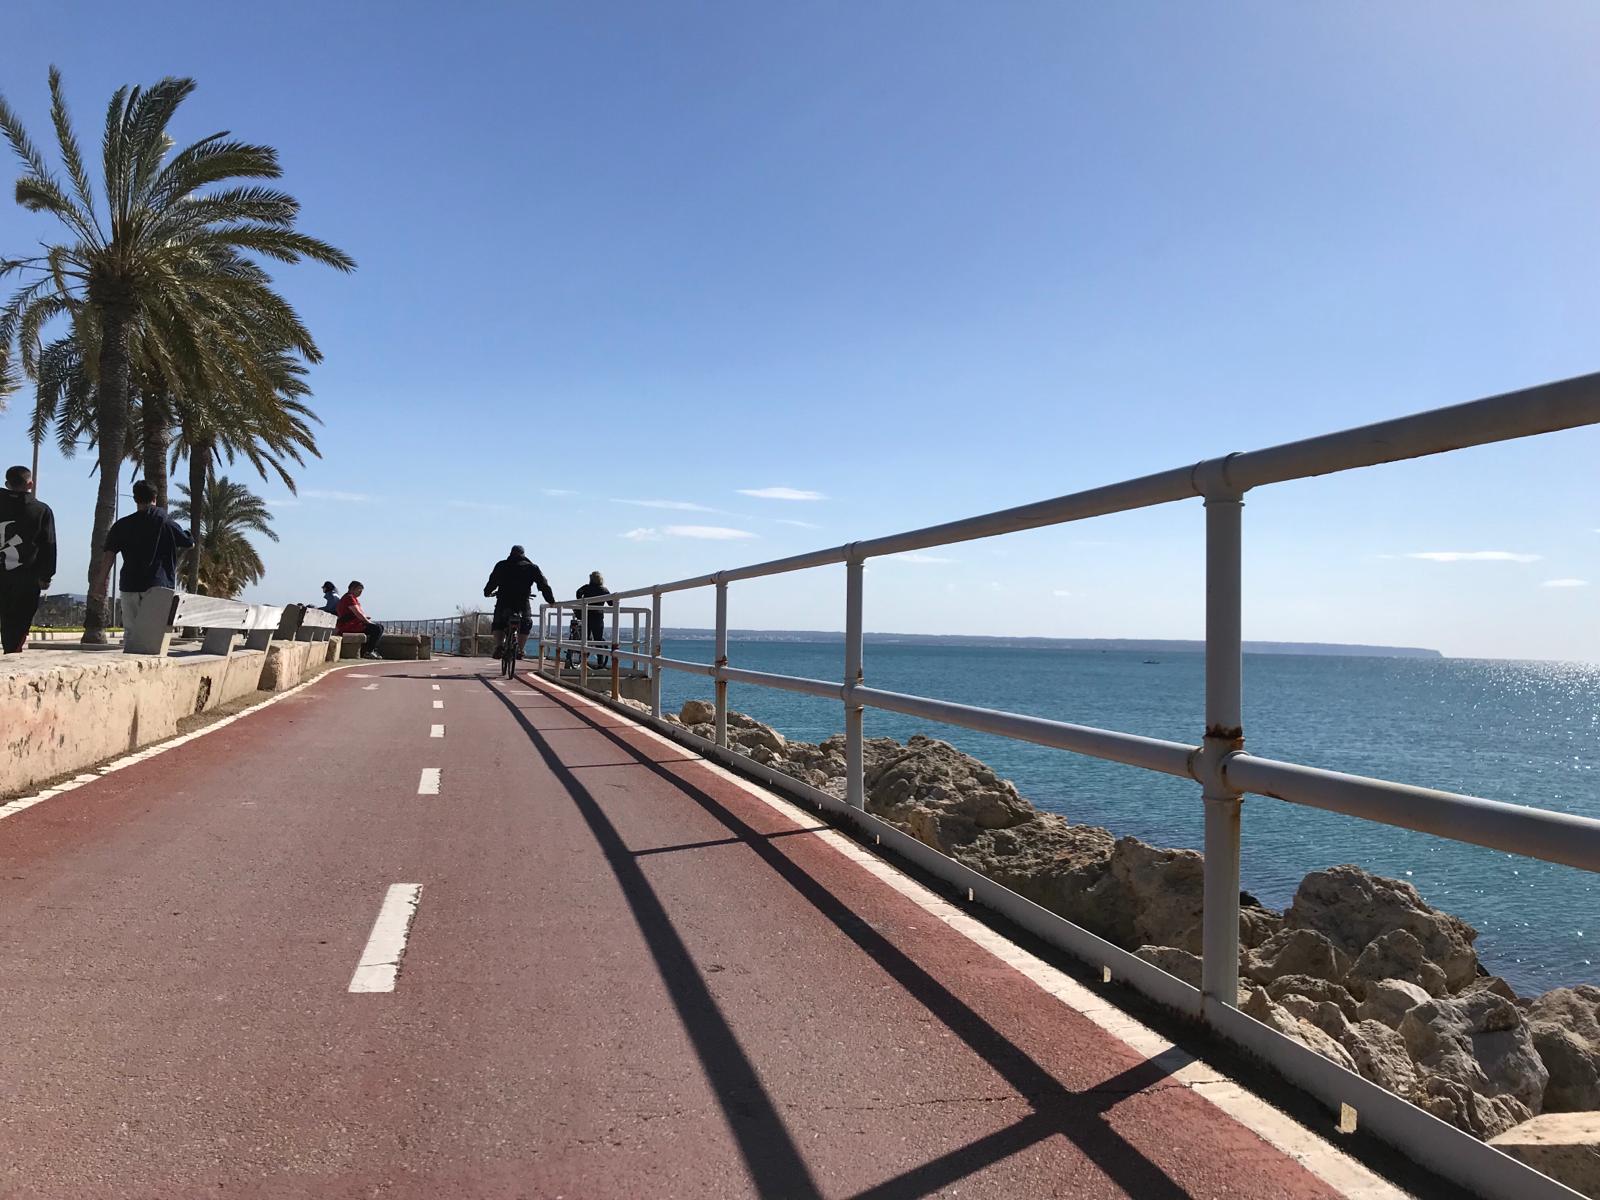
[1522, 732]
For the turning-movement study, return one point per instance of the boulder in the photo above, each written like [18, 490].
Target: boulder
[1313, 989]
[1296, 952]
[1564, 1146]
[1351, 907]
[1179, 963]
[941, 796]
[1380, 1055]
[1388, 1000]
[1256, 924]
[1260, 1006]
[1566, 1033]
[1158, 892]
[1394, 955]
[1481, 1042]
[698, 712]
[756, 734]
[1455, 1102]
[1056, 865]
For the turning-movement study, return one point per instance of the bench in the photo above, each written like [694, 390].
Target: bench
[225, 623]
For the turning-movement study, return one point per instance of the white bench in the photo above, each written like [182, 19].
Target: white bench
[226, 623]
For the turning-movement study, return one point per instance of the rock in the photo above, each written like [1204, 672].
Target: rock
[1564, 1146]
[1296, 952]
[1380, 1055]
[1257, 924]
[698, 712]
[1154, 895]
[1481, 1116]
[941, 796]
[1260, 1006]
[1566, 1033]
[1056, 865]
[1480, 1041]
[1351, 907]
[1179, 963]
[1395, 955]
[1313, 989]
[1388, 1000]
[756, 734]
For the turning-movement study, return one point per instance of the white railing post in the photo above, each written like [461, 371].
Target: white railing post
[722, 661]
[543, 625]
[655, 653]
[1219, 973]
[561, 630]
[583, 633]
[854, 676]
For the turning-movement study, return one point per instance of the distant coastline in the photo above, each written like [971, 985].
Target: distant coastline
[1137, 645]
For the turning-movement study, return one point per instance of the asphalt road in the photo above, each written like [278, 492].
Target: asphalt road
[623, 976]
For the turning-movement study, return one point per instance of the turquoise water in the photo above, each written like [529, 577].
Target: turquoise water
[1527, 733]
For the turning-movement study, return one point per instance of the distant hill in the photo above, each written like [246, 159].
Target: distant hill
[1137, 645]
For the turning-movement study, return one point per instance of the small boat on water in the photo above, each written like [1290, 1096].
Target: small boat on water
[1152, 662]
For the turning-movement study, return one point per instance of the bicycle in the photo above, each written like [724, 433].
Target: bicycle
[510, 646]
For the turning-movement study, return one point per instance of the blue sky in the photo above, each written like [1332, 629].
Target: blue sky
[624, 268]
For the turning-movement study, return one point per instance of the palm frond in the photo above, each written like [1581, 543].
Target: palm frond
[71, 153]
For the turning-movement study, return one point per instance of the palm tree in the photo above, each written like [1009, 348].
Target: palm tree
[227, 511]
[165, 266]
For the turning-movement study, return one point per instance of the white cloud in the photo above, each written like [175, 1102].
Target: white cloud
[1062, 592]
[338, 497]
[1450, 556]
[675, 505]
[712, 533]
[281, 502]
[1565, 583]
[557, 492]
[929, 560]
[797, 524]
[642, 535]
[781, 493]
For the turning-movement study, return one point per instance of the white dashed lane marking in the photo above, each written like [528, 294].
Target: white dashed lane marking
[435, 686]
[371, 687]
[428, 785]
[438, 703]
[438, 731]
[380, 961]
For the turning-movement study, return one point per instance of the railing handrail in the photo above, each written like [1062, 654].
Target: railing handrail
[1218, 762]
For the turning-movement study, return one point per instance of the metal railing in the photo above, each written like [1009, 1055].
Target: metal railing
[570, 646]
[465, 633]
[1219, 762]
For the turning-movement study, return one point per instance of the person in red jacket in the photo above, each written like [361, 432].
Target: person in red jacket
[353, 619]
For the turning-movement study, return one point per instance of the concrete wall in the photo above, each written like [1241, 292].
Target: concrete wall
[62, 711]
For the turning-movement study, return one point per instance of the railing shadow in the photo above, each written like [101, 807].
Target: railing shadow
[1077, 1115]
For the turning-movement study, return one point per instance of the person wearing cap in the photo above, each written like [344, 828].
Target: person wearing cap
[511, 583]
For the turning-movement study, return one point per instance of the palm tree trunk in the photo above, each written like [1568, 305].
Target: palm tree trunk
[157, 429]
[111, 419]
[199, 472]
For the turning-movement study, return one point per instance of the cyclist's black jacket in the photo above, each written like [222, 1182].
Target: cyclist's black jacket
[512, 581]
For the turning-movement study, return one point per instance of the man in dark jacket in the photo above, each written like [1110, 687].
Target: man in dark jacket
[511, 583]
[594, 590]
[148, 541]
[27, 557]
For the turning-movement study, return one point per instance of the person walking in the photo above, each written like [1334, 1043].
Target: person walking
[511, 583]
[595, 588]
[149, 541]
[330, 597]
[27, 557]
[353, 619]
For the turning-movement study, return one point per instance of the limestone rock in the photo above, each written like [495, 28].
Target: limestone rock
[941, 796]
[1260, 1006]
[1056, 865]
[1481, 1042]
[1564, 1146]
[1296, 952]
[1313, 989]
[1395, 955]
[1179, 963]
[1455, 1102]
[1351, 907]
[1151, 896]
[756, 734]
[1380, 1055]
[1566, 1032]
[1388, 1000]
[697, 712]
[1256, 924]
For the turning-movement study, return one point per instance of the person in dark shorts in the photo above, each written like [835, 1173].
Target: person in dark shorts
[511, 583]
[595, 588]
[27, 557]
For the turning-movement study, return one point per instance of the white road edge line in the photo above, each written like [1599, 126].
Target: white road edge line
[386, 944]
[436, 731]
[1313, 1152]
[12, 807]
[428, 785]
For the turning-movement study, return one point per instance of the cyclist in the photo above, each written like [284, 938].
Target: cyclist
[511, 583]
